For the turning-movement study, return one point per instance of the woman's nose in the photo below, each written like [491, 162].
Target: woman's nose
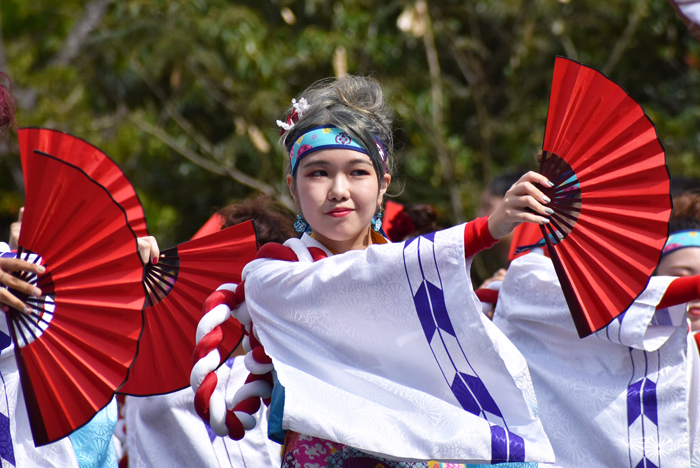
[339, 189]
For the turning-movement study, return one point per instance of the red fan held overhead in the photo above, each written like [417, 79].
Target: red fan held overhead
[76, 347]
[611, 196]
[177, 287]
[97, 165]
[689, 11]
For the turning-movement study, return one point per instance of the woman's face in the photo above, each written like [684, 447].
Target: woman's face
[337, 192]
[683, 262]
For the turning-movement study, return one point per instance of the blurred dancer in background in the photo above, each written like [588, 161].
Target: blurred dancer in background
[165, 430]
[681, 256]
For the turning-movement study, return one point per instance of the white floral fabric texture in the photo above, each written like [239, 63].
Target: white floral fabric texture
[93, 443]
[164, 431]
[386, 350]
[625, 396]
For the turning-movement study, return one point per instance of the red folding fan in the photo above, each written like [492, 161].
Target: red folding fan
[76, 347]
[177, 287]
[611, 195]
[94, 162]
[391, 210]
[525, 237]
[213, 224]
[689, 11]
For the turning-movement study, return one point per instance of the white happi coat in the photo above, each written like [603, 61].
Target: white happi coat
[165, 431]
[386, 350]
[626, 396]
[17, 447]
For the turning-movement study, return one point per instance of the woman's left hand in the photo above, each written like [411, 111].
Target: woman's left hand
[513, 209]
[7, 267]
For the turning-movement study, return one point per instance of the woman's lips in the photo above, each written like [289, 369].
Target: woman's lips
[339, 212]
[694, 311]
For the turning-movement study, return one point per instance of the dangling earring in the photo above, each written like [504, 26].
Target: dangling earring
[377, 221]
[301, 226]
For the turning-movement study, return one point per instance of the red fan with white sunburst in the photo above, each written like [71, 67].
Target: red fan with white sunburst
[75, 348]
[176, 286]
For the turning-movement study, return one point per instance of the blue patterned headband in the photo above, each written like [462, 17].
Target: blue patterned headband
[328, 137]
[682, 239]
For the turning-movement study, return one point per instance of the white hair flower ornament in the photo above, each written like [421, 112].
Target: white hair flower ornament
[300, 107]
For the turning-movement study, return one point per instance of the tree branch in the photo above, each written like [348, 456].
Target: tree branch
[172, 111]
[637, 16]
[437, 113]
[94, 11]
[205, 163]
[209, 86]
[163, 136]
[474, 74]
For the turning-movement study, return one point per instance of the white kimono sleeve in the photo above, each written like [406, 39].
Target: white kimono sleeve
[387, 350]
[641, 326]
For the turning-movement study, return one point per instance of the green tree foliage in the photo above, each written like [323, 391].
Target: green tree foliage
[184, 94]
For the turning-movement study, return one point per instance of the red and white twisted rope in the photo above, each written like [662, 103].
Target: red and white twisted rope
[234, 415]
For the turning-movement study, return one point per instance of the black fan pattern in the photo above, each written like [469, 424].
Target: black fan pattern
[24, 327]
[161, 278]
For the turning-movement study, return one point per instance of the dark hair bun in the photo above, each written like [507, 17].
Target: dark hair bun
[273, 223]
[356, 105]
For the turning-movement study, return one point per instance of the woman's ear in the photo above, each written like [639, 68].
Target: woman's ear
[383, 186]
[293, 189]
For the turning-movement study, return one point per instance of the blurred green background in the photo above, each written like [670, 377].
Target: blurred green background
[184, 94]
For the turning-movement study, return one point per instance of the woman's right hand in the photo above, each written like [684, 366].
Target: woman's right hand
[523, 202]
[7, 267]
[148, 249]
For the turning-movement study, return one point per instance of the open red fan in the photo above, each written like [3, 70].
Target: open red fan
[177, 287]
[611, 195]
[94, 162]
[689, 11]
[76, 347]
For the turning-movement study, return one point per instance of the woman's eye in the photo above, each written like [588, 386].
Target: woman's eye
[318, 173]
[359, 173]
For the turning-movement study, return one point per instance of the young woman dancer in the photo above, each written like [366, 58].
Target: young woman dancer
[626, 396]
[154, 423]
[681, 256]
[381, 353]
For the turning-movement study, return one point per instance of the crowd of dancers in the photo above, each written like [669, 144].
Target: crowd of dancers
[380, 353]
